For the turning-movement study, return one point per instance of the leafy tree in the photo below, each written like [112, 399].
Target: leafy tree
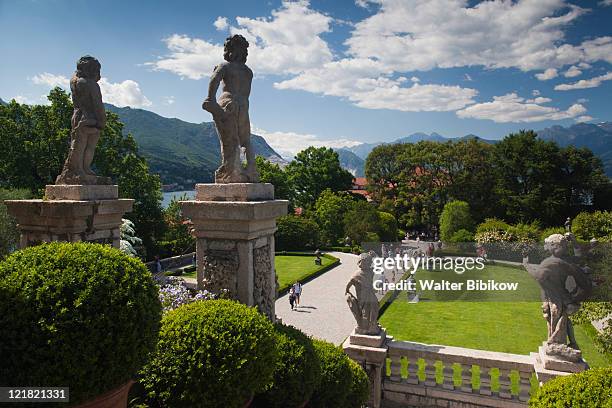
[295, 233]
[272, 173]
[362, 219]
[329, 210]
[36, 139]
[177, 238]
[9, 234]
[598, 225]
[455, 216]
[387, 227]
[314, 170]
[382, 169]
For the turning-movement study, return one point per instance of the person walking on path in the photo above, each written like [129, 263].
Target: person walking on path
[292, 298]
[297, 289]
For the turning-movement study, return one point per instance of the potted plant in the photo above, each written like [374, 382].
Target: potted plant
[77, 315]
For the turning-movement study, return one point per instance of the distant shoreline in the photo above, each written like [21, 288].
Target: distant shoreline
[168, 195]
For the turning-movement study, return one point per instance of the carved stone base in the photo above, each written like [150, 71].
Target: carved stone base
[76, 213]
[370, 351]
[557, 363]
[234, 228]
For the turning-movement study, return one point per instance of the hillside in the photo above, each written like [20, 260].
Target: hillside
[351, 162]
[180, 152]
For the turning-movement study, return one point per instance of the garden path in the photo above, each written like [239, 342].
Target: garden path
[323, 312]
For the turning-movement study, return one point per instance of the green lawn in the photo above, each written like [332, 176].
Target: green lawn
[290, 269]
[506, 326]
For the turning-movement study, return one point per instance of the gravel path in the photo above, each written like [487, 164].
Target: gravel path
[323, 312]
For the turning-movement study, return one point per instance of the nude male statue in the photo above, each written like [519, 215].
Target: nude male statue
[88, 120]
[559, 302]
[231, 112]
[363, 303]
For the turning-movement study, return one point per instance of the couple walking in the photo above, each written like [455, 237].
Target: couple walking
[294, 295]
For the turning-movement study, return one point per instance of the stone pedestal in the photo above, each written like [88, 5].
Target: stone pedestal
[234, 227]
[71, 213]
[548, 367]
[370, 351]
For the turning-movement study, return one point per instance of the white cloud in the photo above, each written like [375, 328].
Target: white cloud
[51, 80]
[605, 3]
[288, 144]
[583, 118]
[126, 93]
[365, 83]
[550, 73]
[221, 23]
[512, 108]
[572, 72]
[288, 42]
[22, 100]
[585, 83]
[425, 34]
[467, 77]
[415, 79]
[535, 92]
[169, 100]
[539, 100]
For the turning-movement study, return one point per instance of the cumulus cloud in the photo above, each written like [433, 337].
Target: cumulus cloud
[126, 93]
[365, 83]
[286, 43]
[550, 73]
[583, 118]
[605, 3]
[512, 108]
[288, 144]
[426, 34]
[585, 83]
[221, 23]
[572, 72]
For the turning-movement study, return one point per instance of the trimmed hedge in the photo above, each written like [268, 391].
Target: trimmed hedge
[360, 386]
[212, 353]
[590, 388]
[297, 371]
[317, 272]
[336, 377]
[84, 316]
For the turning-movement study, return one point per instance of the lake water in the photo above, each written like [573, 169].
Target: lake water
[168, 196]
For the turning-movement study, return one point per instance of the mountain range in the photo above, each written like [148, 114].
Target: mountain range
[597, 137]
[182, 153]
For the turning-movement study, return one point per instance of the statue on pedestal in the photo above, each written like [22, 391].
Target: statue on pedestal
[560, 297]
[88, 120]
[231, 112]
[363, 303]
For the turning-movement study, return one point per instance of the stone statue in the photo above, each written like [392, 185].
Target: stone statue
[364, 303]
[560, 296]
[231, 112]
[88, 120]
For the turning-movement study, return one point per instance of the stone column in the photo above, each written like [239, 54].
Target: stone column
[370, 351]
[234, 227]
[71, 213]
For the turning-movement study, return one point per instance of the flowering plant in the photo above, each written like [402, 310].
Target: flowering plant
[174, 293]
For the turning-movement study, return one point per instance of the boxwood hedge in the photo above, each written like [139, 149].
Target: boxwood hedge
[336, 377]
[297, 372]
[211, 353]
[590, 388]
[360, 386]
[84, 316]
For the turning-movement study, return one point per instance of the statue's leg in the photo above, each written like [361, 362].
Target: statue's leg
[244, 129]
[571, 336]
[229, 171]
[93, 135]
[73, 166]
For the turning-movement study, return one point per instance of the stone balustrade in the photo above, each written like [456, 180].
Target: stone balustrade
[420, 375]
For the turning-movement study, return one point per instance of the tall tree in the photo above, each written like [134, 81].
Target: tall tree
[272, 173]
[328, 212]
[312, 171]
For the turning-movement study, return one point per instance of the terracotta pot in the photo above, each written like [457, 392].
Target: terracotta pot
[117, 398]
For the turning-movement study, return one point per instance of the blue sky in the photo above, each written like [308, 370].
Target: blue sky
[330, 72]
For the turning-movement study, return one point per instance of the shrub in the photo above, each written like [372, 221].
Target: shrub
[80, 315]
[547, 232]
[296, 233]
[492, 224]
[336, 377]
[9, 234]
[462, 236]
[455, 216]
[360, 386]
[526, 233]
[590, 388]
[211, 353]
[388, 227]
[297, 371]
[596, 225]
